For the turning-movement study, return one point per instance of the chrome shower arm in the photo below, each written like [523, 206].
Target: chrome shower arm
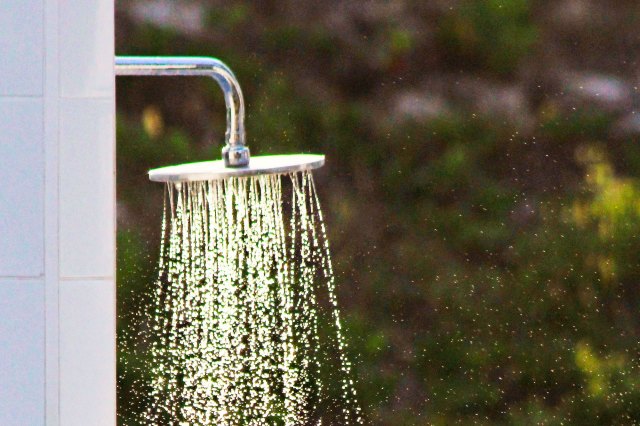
[235, 153]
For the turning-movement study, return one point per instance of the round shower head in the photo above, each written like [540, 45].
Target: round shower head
[213, 170]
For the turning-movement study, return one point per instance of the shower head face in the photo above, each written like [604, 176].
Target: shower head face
[214, 170]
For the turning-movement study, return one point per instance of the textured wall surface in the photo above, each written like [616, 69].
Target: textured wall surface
[57, 144]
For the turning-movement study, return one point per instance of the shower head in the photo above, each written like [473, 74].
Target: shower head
[235, 154]
[214, 170]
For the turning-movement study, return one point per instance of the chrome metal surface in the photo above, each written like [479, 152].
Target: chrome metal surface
[235, 153]
[213, 170]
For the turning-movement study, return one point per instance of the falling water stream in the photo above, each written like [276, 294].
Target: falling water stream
[244, 296]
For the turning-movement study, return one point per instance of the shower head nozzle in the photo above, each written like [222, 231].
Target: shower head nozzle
[235, 156]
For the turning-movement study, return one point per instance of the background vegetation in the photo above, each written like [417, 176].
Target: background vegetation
[482, 187]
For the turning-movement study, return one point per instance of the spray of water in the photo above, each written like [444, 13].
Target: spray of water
[244, 293]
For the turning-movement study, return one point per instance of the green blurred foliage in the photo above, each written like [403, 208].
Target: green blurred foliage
[494, 34]
[486, 277]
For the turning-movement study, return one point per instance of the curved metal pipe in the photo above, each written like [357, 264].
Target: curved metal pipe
[235, 153]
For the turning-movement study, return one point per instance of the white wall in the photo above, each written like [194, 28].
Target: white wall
[57, 214]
